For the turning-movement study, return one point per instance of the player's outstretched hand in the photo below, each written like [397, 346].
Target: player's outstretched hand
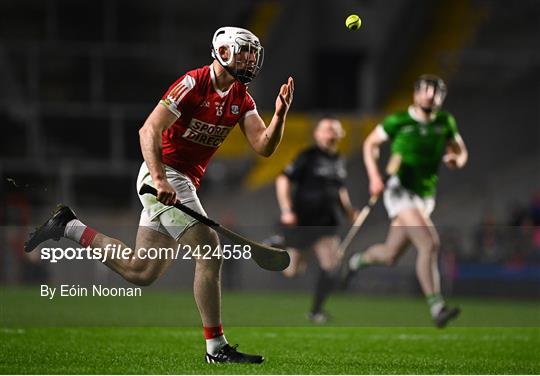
[165, 192]
[284, 98]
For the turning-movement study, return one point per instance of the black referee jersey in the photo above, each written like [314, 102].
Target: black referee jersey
[317, 177]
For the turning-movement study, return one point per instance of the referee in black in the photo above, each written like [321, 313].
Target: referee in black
[312, 197]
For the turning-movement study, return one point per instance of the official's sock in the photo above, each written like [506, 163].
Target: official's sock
[215, 339]
[358, 261]
[323, 287]
[79, 232]
[436, 303]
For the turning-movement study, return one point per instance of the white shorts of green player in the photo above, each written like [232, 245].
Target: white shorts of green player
[164, 218]
[398, 198]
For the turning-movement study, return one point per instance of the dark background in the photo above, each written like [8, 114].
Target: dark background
[77, 80]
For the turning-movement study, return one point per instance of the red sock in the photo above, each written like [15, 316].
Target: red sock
[79, 232]
[213, 331]
[88, 236]
[215, 339]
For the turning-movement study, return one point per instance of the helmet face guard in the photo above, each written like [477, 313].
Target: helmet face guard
[428, 81]
[246, 55]
[248, 61]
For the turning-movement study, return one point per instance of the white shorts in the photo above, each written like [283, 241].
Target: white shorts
[163, 218]
[398, 198]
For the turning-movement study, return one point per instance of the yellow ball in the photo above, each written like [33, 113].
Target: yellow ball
[353, 22]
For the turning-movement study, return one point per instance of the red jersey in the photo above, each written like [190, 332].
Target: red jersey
[206, 115]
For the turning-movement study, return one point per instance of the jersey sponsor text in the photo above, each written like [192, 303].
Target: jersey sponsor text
[206, 134]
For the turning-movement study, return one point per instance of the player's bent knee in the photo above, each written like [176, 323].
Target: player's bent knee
[434, 245]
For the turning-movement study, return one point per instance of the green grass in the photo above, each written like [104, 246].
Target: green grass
[160, 333]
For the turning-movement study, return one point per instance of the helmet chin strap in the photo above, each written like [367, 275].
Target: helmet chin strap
[243, 79]
[230, 71]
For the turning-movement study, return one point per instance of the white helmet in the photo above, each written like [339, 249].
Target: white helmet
[238, 40]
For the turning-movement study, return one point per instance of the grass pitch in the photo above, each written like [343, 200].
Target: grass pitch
[160, 333]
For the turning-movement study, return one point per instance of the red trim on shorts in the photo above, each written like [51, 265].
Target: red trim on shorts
[88, 236]
[213, 332]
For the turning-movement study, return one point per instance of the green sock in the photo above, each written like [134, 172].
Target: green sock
[362, 262]
[435, 303]
[358, 261]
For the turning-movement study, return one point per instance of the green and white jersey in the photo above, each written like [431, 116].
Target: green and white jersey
[421, 146]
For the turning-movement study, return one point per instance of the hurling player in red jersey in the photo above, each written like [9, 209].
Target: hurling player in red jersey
[177, 141]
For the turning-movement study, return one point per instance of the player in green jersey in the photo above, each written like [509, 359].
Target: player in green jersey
[423, 136]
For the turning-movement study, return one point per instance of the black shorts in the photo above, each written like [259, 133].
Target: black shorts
[303, 237]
